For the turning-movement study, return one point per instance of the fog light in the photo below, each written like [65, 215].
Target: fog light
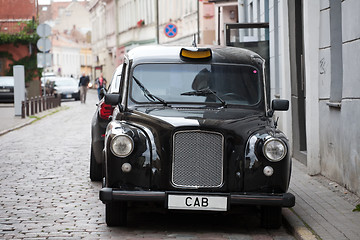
[268, 171]
[126, 167]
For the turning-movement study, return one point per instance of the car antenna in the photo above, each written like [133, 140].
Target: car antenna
[194, 41]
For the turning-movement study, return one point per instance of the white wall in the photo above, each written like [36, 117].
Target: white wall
[333, 134]
[182, 13]
[68, 59]
[311, 23]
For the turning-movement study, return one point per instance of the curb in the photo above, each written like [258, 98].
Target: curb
[17, 127]
[32, 119]
[296, 226]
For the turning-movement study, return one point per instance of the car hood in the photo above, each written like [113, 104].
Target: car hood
[232, 119]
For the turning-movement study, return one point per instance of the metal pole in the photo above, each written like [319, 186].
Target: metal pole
[157, 21]
[44, 64]
[219, 28]
[198, 21]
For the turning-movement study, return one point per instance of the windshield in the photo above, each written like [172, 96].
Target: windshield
[190, 83]
[6, 81]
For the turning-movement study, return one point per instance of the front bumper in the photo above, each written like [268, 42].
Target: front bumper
[280, 200]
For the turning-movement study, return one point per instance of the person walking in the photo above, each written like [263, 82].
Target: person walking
[101, 83]
[83, 83]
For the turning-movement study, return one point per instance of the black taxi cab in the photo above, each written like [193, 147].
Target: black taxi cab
[193, 129]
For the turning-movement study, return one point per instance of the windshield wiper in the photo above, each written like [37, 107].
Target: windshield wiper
[205, 92]
[149, 96]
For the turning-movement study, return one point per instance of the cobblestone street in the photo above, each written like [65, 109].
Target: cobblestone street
[46, 193]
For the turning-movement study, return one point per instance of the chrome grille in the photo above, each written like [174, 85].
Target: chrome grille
[197, 159]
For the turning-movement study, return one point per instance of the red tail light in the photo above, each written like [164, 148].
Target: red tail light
[106, 110]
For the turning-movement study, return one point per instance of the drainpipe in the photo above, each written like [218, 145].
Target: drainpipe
[116, 26]
[218, 25]
[241, 11]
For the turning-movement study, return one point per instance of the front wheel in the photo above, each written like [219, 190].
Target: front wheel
[95, 168]
[271, 217]
[116, 214]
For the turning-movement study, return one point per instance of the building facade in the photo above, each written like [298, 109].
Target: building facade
[120, 25]
[331, 37]
[18, 17]
[71, 30]
[312, 46]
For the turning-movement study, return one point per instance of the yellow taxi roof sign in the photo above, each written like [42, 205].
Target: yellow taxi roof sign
[196, 54]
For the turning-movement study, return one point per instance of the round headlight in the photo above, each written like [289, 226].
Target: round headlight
[122, 145]
[274, 149]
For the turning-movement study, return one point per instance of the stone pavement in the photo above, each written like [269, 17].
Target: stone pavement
[8, 120]
[323, 209]
[323, 206]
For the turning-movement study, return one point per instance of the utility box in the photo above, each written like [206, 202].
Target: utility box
[19, 88]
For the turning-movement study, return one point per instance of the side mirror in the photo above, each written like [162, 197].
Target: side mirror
[279, 105]
[102, 92]
[112, 98]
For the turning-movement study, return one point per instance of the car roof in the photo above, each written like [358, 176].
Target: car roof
[220, 54]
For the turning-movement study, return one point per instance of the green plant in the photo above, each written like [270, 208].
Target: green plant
[25, 36]
[29, 63]
[357, 208]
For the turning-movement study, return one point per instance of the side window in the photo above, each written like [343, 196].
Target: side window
[122, 78]
[122, 85]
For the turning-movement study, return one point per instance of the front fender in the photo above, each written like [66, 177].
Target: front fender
[140, 159]
[255, 162]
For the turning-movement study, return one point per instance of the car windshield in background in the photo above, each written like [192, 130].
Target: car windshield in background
[7, 81]
[114, 85]
[196, 83]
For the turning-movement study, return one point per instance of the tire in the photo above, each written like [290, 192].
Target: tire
[116, 214]
[95, 168]
[271, 217]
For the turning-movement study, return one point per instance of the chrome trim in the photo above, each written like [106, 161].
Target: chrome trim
[222, 161]
[270, 139]
[123, 135]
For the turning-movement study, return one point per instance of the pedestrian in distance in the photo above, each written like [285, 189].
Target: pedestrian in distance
[83, 84]
[101, 83]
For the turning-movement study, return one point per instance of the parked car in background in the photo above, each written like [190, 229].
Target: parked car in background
[66, 87]
[7, 89]
[193, 130]
[99, 123]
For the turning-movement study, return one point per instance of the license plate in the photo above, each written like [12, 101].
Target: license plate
[4, 90]
[68, 96]
[197, 202]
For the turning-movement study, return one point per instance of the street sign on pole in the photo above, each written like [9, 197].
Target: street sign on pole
[44, 60]
[44, 44]
[43, 30]
[170, 30]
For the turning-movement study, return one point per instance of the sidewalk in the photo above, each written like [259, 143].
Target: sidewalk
[8, 120]
[323, 209]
